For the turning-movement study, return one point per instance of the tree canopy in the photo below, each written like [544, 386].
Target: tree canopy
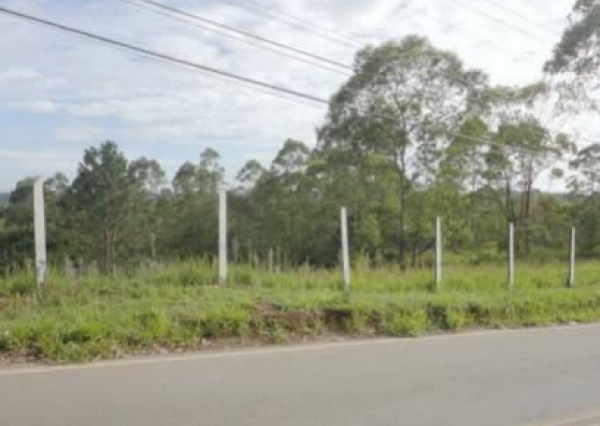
[412, 135]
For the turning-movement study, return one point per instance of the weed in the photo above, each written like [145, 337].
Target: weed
[175, 307]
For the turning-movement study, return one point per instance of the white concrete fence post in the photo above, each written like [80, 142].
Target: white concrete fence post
[41, 262]
[345, 249]
[270, 261]
[511, 256]
[438, 253]
[222, 237]
[572, 260]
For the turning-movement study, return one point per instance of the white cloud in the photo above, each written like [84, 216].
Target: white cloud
[45, 160]
[77, 92]
[40, 106]
[79, 134]
[22, 74]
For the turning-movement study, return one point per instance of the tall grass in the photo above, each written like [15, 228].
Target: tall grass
[180, 308]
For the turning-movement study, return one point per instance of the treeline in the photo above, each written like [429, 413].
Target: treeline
[411, 136]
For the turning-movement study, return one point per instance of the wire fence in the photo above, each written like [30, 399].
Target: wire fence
[230, 256]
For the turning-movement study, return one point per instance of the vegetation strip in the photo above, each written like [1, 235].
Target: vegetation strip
[178, 308]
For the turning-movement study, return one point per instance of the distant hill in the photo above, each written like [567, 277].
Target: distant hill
[564, 197]
[3, 198]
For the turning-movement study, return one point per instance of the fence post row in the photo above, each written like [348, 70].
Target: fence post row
[39, 227]
[41, 249]
[345, 249]
[222, 237]
[438, 253]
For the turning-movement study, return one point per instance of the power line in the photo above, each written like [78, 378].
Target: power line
[522, 16]
[344, 40]
[162, 56]
[137, 3]
[233, 37]
[244, 33]
[230, 28]
[316, 29]
[213, 71]
[143, 4]
[467, 32]
[498, 21]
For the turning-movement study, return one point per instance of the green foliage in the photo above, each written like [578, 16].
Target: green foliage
[405, 323]
[413, 134]
[578, 49]
[575, 59]
[225, 323]
[147, 312]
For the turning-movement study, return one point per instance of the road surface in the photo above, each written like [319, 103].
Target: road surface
[538, 377]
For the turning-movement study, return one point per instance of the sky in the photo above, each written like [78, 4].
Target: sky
[60, 94]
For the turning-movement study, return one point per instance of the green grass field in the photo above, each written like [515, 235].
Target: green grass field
[180, 308]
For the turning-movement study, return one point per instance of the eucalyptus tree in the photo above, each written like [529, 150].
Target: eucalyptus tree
[247, 207]
[191, 213]
[403, 104]
[576, 57]
[521, 149]
[586, 165]
[16, 221]
[287, 202]
[584, 184]
[147, 227]
[110, 203]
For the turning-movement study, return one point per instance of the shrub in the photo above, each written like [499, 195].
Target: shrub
[405, 323]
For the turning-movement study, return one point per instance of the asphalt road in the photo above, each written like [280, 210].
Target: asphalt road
[545, 377]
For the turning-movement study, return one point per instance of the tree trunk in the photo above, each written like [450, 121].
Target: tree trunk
[526, 212]
[402, 195]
